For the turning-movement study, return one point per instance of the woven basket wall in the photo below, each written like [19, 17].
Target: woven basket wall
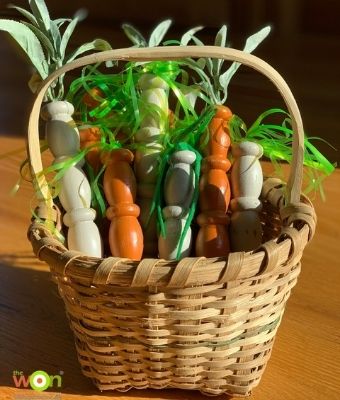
[204, 324]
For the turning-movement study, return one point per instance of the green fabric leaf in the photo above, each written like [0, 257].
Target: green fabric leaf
[66, 36]
[159, 32]
[30, 17]
[201, 63]
[97, 45]
[27, 40]
[187, 37]
[254, 40]
[208, 61]
[41, 13]
[60, 21]
[205, 84]
[221, 37]
[134, 35]
[44, 40]
[220, 40]
[55, 36]
[197, 41]
[251, 44]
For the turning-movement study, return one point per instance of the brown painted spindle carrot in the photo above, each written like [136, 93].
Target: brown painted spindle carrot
[213, 239]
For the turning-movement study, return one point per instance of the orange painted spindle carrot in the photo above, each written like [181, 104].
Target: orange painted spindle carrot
[90, 137]
[213, 239]
[125, 234]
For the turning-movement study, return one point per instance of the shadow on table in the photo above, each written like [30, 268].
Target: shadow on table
[34, 332]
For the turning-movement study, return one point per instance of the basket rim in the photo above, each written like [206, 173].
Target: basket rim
[298, 226]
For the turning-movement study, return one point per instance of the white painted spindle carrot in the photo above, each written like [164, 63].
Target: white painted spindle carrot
[75, 192]
[246, 183]
[154, 111]
[178, 194]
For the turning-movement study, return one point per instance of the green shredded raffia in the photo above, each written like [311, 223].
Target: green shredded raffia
[98, 200]
[119, 112]
[276, 141]
[24, 171]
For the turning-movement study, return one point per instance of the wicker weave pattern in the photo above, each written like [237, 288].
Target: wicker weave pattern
[206, 324]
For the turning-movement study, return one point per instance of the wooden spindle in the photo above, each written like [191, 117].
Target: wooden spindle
[154, 112]
[213, 239]
[246, 183]
[125, 233]
[75, 192]
[178, 194]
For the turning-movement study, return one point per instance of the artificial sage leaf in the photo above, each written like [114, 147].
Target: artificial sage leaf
[194, 65]
[134, 35]
[41, 13]
[221, 36]
[97, 44]
[254, 40]
[197, 41]
[66, 36]
[220, 40]
[159, 32]
[44, 40]
[30, 17]
[251, 44]
[208, 61]
[61, 21]
[27, 40]
[56, 37]
[185, 39]
[201, 62]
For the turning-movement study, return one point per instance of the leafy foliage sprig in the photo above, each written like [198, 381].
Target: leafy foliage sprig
[45, 40]
[156, 36]
[214, 83]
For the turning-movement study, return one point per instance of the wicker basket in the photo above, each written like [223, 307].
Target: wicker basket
[205, 324]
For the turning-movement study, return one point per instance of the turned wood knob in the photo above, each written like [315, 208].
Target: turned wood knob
[125, 233]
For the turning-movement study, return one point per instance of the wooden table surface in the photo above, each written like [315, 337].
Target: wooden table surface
[34, 334]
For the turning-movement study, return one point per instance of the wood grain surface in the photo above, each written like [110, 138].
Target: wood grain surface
[34, 334]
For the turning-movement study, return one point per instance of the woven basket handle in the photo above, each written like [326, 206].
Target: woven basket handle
[172, 53]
